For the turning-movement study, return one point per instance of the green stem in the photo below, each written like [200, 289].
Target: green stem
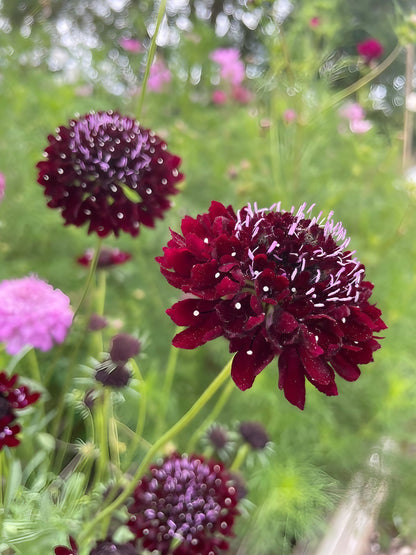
[366, 79]
[151, 55]
[167, 385]
[240, 457]
[102, 423]
[156, 447]
[219, 405]
[93, 267]
[34, 366]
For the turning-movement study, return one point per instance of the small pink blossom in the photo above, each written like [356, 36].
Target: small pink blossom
[32, 313]
[352, 111]
[314, 22]
[232, 69]
[131, 45]
[360, 126]
[242, 94]
[2, 186]
[370, 49]
[289, 115]
[219, 97]
[159, 76]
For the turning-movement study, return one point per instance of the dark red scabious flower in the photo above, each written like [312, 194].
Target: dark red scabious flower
[273, 283]
[102, 547]
[12, 398]
[189, 499]
[107, 170]
[108, 257]
[254, 434]
[370, 49]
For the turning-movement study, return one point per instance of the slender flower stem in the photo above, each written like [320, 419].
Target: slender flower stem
[240, 457]
[93, 267]
[364, 80]
[141, 417]
[219, 405]
[167, 384]
[34, 366]
[163, 440]
[151, 55]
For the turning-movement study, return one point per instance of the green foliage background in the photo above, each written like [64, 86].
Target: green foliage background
[231, 155]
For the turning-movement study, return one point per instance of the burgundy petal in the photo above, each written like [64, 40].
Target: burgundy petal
[250, 361]
[292, 377]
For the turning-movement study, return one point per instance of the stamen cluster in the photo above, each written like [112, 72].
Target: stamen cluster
[274, 283]
[187, 499]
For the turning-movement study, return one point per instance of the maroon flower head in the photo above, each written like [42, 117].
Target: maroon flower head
[370, 49]
[62, 550]
[108, 257]
[12, 398]
[187, 499]
[274, 283]
[254, 434]
[108, 547]
[123, 347]
[107, 170]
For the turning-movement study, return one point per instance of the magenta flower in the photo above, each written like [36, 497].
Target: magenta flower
[355, 113]
[289, 115]
[231, 67]
[159, 76]
[131, 45]
[219, 97]
[32, 313]
[188, 499]
[108, 257]
[105, 169]
[12, 398]
[2, 186]
[275, 284]
[370, 49]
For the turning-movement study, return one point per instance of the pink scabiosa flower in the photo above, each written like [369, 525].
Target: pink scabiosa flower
[12, 398]
[108, 257]
[289, 115]
[32, 313]
[219, 97]
[274, 283]
[370, 49]
[159, 76]
[131, 45]
[231, 67]
[2, 186]
[107, 170]
[185, 498]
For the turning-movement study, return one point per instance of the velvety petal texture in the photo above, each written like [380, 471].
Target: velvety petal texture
[185, 499]
[105, 170]
[12, 398]
[274, 283]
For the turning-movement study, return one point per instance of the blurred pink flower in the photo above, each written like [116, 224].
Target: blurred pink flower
[370, 49]
[159, 76]
[32, 313]
[314, 22]
[219, 97]
[360, 125]
[131, 45]
[289, 115]
[2, 186]
[242, 94]
[231, 67]
[355, 113]
[352, 111]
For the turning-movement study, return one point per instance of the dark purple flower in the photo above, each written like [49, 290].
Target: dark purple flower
[370, 49]
[187, 499]
[97, 322]
[107, 170]
[274, 283]
[218, 436]
[254, 434]
[12, 398]
[124, 346]
[108, 257]
[111, 374]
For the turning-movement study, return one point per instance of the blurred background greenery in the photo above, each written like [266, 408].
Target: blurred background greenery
[59, 58]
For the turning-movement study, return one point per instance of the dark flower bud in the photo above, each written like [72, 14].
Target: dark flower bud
[123, 347]
[108, 547]
[97, 322]
[112, 375]
[254, 434]
[218, 436]
[108, 257]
